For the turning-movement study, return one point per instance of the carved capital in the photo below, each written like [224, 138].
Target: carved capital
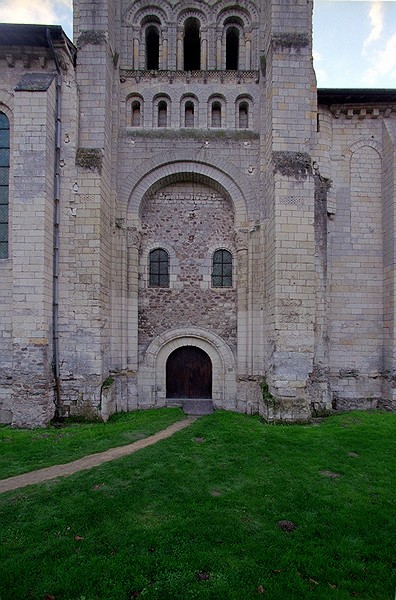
[241, 238]
[134, 236]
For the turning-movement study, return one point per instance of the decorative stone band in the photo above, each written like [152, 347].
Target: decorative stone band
[186, 196]
[188, 76]
[358, 111]
[292, 164]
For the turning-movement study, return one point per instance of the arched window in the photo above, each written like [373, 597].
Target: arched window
[159, 268]
[152, 48]
[192, 45]
[232, 49]
[162, 114]
[222, 269]
[4, 182]
[216, 114]
[136, 113]
[243, 115]
[189, 114]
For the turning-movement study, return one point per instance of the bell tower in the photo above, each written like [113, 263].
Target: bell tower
[185, 107]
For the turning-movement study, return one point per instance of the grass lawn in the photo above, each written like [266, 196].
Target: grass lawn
[197, 516]
[26, 450]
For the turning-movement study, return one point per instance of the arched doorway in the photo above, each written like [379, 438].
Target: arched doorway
[188, 373]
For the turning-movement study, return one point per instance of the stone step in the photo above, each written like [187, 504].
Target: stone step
[198, 407]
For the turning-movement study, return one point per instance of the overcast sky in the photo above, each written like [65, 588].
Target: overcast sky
[354, 40]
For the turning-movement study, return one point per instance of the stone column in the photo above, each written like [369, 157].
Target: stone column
[133, 247]
[179, 48]
[218, 51]
[247, 54]
[242, 278]
[164, 50]
[204, 49]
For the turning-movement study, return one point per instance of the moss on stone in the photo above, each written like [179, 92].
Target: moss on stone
[292, 164]
[91, 37]
[290, 40]
[193, 134]
[108, 382]
[268, 399]
[90, 158]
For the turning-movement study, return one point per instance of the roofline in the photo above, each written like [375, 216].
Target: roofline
[330, 96]
[32, 35]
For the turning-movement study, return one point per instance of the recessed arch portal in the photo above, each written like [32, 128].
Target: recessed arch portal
[152, 373]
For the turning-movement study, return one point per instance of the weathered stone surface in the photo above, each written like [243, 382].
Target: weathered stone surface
[249, 157]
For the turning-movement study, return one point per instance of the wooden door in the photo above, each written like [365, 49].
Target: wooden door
[189, 373]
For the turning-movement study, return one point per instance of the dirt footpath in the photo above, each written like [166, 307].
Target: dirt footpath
[92, 460]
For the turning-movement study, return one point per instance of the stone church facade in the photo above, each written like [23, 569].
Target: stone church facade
[184, 215]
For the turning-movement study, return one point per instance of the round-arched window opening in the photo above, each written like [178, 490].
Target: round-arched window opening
[152, 48]
[243, 115]
[162, 114]
[216, 114]
[136, 114]
[232, 49]
[158, 268]
[189, 114]
[192, 45]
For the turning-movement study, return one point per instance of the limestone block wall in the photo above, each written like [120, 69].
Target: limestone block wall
[389, 223]
[86, 360]
[289, 121]
[30, 99]
[358, 159]
[26, 323]
[6, 273]
[32, 248]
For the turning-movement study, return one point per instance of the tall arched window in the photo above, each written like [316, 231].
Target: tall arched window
[136, 113]
[189, 114]
[222, 269]
[4, 182]
[162, 114]
[232, 49]
[152, 48]
[159, 268]
[216, 114]
[192, 45]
